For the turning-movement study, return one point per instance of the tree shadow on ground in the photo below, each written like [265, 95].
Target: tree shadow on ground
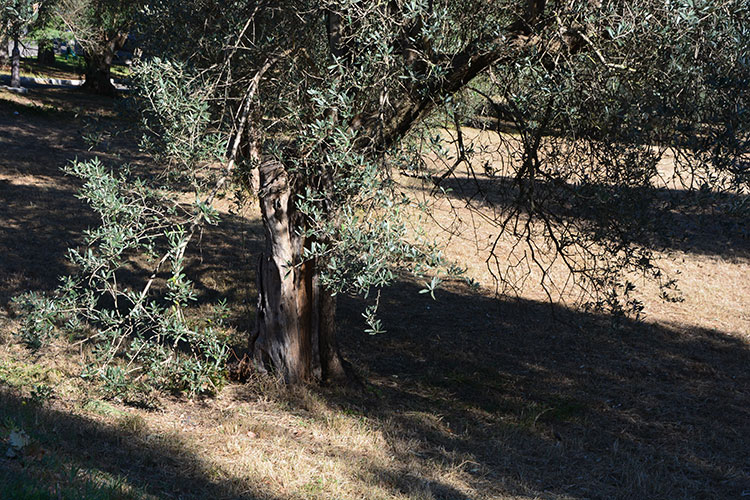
[41, 222]
[70, 456]
[42, 217]
[569, 407]
[698, 221]
[50, 99]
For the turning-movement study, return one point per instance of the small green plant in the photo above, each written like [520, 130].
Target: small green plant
[39, 315]
[140, 338]
[374, 325]
[41, 393]
[431, 286]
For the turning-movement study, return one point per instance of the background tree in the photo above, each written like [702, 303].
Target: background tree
[316, 108]
[47, 28]
[17, 16]
[101, 27]
[4, 48]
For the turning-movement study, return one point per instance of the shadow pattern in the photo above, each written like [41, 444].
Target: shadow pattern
[698, 221]
[556, 406]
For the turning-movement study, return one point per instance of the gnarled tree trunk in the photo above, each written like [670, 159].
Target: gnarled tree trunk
[46, 53]
[99, 66]
[295, 328]
[98, 77]
[295, 325]
[15, 65]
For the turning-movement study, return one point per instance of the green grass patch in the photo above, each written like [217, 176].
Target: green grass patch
[22, 375]
[101, 408]
[74, 64]
[71, 68]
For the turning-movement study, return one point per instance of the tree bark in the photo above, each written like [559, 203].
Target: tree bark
[99, 65]
[295, 323]
[46, 53]
[98, 78]
[15, 65]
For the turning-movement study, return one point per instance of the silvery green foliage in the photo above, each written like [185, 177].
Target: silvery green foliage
[573, 179]
[349, 208]
[139, 337]
[176, 119]
[593, 94]
[354, 216]
[587, 101]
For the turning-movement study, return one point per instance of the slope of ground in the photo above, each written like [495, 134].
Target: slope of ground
[468, 396]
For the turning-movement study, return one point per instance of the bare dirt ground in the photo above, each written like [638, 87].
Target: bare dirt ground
[468, 396]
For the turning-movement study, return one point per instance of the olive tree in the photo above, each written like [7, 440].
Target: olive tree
[316, 108]
[47, 28]
[101, 27]
[15, 18]
[595, 91]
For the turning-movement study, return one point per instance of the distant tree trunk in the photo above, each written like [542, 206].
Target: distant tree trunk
[3, 51]
[46, 53]
[98, 75]
[15, 64]
[295, 325]
[99, 66]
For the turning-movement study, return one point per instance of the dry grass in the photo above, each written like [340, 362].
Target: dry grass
[468, 396]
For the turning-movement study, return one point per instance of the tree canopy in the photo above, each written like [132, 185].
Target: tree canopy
[18, 15]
